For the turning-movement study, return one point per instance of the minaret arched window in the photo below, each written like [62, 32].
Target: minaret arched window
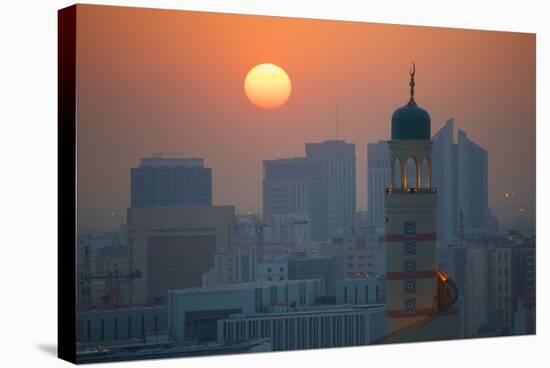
[424, 174]
[396, 173]
[412, 179]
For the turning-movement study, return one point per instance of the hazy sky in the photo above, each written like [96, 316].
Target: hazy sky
[172, 81]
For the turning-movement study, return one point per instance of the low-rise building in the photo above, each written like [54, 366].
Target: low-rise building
[193, 313]
[360, 252]
[274, 270]
[232, 266]
[313, 328]
[104, 327]
[360, 291]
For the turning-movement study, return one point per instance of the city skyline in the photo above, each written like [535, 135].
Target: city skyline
[166, 100]
[252, 184]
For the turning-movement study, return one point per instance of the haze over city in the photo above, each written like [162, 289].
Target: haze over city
[174, 83]
[250, 184]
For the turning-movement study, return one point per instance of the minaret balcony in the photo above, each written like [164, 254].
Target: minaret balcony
[411, 190]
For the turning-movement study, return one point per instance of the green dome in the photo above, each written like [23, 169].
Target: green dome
[410, 122]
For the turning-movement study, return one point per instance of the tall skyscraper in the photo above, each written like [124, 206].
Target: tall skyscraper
[460, 172]
[333, 198]
[378, 175]
[473, 185]
[162, 181]
[286, 186]
[410, 228]
[318, 189]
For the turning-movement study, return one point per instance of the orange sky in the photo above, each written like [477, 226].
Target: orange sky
[172, 81]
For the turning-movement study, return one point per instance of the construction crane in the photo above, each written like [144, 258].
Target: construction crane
[112, 279]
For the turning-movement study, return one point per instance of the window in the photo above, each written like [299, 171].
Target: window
[409, 247]
[409, 267]
[410, 286]
[345, 294]
[409, 305]
[269, 269]
[409, 229]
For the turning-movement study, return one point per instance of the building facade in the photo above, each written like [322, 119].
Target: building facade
[359, 253]
[173, 247]
[171, 181]
[336, 326]
[232, 266]
[333, 200]
[274, 270]
[378, 177]
[194, 313]
[313, 194]
[460, 172]
[303, 267]
[121, 325]
[360, 291]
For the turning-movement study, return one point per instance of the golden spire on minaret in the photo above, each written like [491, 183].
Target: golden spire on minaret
[411, 83]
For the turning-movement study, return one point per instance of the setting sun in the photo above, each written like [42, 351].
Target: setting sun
[267, 86]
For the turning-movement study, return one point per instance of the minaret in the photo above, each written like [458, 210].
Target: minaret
[410, 228]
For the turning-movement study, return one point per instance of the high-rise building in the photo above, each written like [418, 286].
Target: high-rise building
[460, 173]
[333, 199]
[171, 181]
[378, 176]
[173, 247]
[410, 227]
[318, 190]
[473, 185]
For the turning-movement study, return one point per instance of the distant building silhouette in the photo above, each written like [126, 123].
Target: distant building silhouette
[318, 190]
[162, 181]
[378, 176]
[333, 200]
[460, 172]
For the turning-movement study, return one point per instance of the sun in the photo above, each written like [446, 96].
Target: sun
[267, 86]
